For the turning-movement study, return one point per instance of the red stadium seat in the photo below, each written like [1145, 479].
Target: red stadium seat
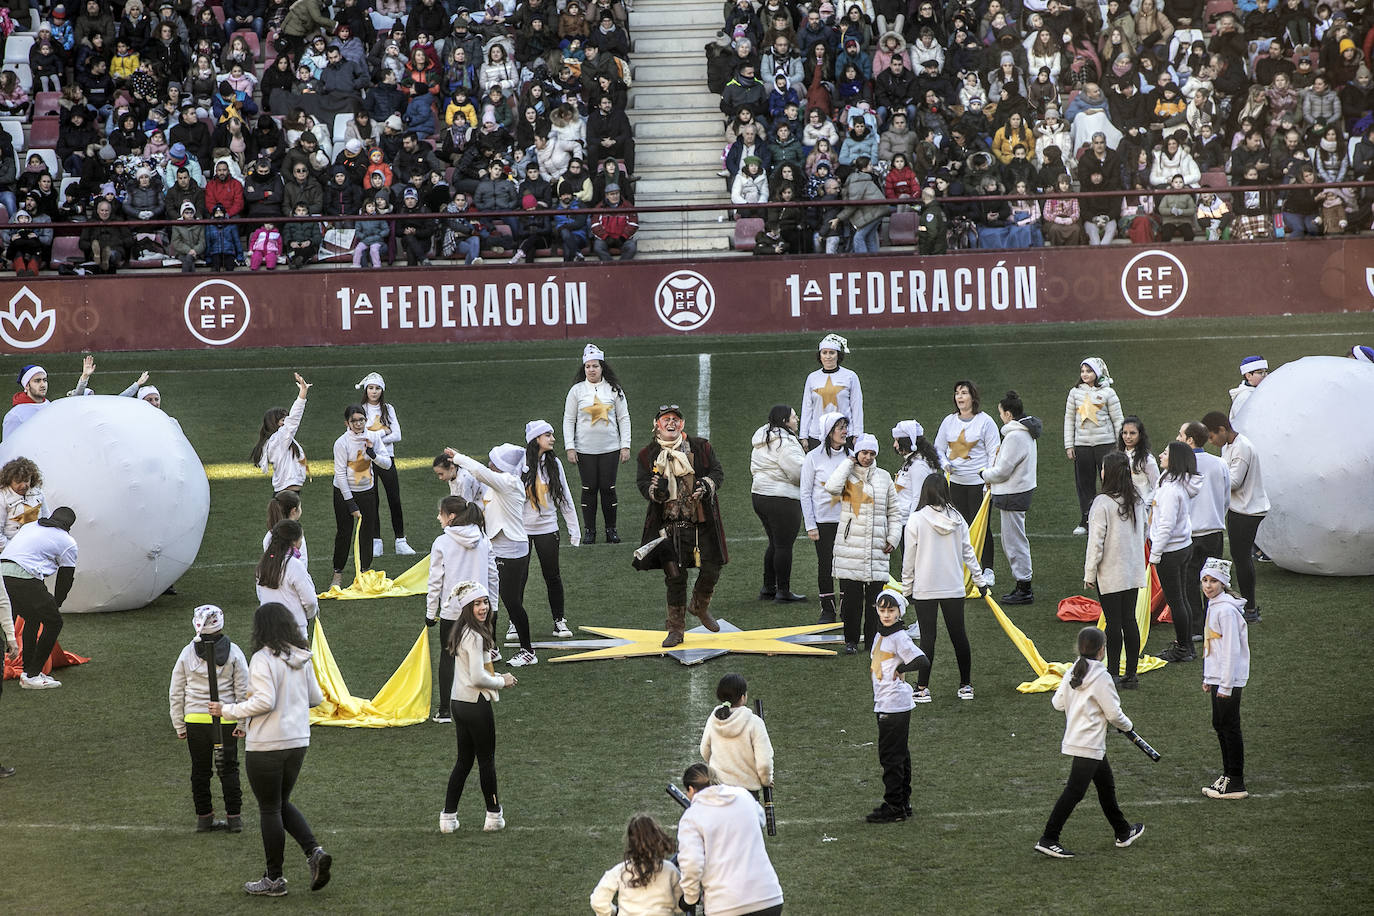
[251, 39]
[901, 228]
[65, 247]
[43, 133]
[745, 230]
[46, 104]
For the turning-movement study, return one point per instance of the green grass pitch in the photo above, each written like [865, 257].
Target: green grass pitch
[99, 817]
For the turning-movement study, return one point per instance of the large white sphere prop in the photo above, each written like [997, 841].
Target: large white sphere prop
[1310, 422]
[137, 486]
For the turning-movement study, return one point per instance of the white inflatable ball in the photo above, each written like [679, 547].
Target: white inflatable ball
[1309, 420]
[138, 489]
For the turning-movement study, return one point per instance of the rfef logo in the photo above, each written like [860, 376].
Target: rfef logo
[26, 324]
[684, 300]
[217, 312]
[1154, 283]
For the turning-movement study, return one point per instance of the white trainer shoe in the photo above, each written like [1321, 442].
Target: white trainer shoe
[495, 820]
[39, 681]
[966, 692]
[448, 823]
[1079, 530]
[403, 549]
[560, 628]
[377, 547]
[522, 658]
[512, 634]
[494, 655]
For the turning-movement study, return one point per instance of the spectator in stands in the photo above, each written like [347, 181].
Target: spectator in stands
[609, 134]
[415, 233]
[1099, 213]
[243, 14]
[1178, 212]
[303, 18]
[1062, 216]
[859, 143]
[750, 187]
[109, 247]
[861, 186]
[301, 187]
[188, 239]
[24, 246]
[76, 139]
[263, 189]
[1301, 212]
[45, 63]
[182, 190]
[569, 226]
[615, 229]
[224, 191]
[894, 90]
[745, 90]
[144, 200]
[264, 247]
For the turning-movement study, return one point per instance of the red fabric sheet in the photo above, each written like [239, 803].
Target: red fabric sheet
[60, 658]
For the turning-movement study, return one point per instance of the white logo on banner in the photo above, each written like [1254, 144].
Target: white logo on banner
[26, 311]
[1154, 283]
[684, 300]
[217, 312]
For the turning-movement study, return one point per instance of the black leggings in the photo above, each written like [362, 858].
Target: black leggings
[272, 775]
[31, 601]
[343, 528]
[825, 559]
[953, 610]
[200, 741]
[1087, 470]
[968, 499]
[1204, 546]
[546, 546]
[513, 573]
[858, 604]
[1170, 571]
[598, 479]
[1241, 531]
[1226, 721]
[1086, 770]
[446, 662]
[1119, 609]
[782, 519]
[392, 484]
[476, 727]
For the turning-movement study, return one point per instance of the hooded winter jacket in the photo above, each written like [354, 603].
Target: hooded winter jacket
[1088, 711]
[738, 749]
[281, 691]
[937, 551]
[1012, 474]
[461, 554]
[775, 463]
[189, 693]
[1170, 527]
[870, 519]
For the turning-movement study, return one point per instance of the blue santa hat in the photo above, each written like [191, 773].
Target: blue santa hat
[1362, 354]
[1253, 364]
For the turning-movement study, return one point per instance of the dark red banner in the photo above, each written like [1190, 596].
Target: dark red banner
[551, 300]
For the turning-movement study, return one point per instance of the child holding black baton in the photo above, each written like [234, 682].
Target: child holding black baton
[735, 741]
[1087, 697]
[194, 686]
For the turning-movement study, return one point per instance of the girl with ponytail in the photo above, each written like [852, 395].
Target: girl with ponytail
[283, 578]
[735, 743]
[1088, 699]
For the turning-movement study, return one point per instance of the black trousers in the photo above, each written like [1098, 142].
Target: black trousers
[598, 480]
[416, 248]
[32, 602]
[392, 484]
[512, 574]
[272, 775]
[782, 519]
[953, 611]
[825, 559]
[446, 662]
[894, 756]
[858, 604]
[1226, 722]
[1087, 470]
[1171, 572]
[546, 547]
[1241, 531]
[968, 499]
[1204, 546]
[476, 728]
[200, 741]
[343, 528]
[1119, 609]
[1086, 770]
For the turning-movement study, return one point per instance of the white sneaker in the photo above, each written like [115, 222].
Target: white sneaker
[448, 823]
[476, 261]
[522, 658]
[921, 695]
[494, 655]
[376, 547]
[989, 578]
[39, 681]
[441, 718]
[560, 628]
[512, 634]
[495, 820]
[403, 549]
[1080, 531]
[966, 692]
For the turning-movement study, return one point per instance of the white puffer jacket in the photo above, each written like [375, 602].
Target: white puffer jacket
[862, 534]
[1103, 421]
[775, 463]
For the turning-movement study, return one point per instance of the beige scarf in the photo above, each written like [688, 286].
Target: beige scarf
[672, 463]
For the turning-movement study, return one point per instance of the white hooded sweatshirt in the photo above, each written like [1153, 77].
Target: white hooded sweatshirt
[775, 463]
[1170, 527]
[461, 554]
[281, 691]
[1088, 711]
[721, 853]
[937, 552]
[738, 749]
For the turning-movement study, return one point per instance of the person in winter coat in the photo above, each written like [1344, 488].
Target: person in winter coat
[110, 247]
[1092, 422]
[371, 235]
[820, 513]
[1012, 477]
[862, 186]
[1226, 670]
[144, 200]
[615, 228]
[264, 247]
[188, 240]
[724, 862]
[775, 466]
[301, 241]
[1115, 563]
[223, 249]
[735, 742]
[263, 189]
[224, 190]
[1171, 540]
[750, 187]
[869, 529]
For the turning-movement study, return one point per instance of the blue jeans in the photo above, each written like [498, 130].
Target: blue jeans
[1296, 224]
[866, 239]
[8, 201]
[471, 247]
[230, 27]
[574, 242]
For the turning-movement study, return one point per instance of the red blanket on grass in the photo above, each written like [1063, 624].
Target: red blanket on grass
[60, 658]
[1087, 610]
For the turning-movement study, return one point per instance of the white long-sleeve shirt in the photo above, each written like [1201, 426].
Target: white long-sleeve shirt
[1088, 710]
[543, 519]
[461, 554]
[657, 898]
[287, 469]
[501, 504]
[375, 424]
[1170, 527]
[352, 467]
[967, 446]
[596, 419]
[20, 510]
[908, 481]
[825, 392]
[473, 675]
[1146, 479]
[721, 853]
[1226, 645]
[817, 504]
[297, 592]
[41, 550]
[1247, 483]
[936, 552]
[1207, 508]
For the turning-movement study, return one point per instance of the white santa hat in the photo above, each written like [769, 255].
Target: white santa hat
[908, 429]
[468, 592]
[833, 342]
[592, 351]
[536, 428]
[1218, 569]
[207, 619]
[147, 390]
[372, 378]
[828, 421]
[866, 443]
[1253, 364]
[893, 595]
[508, 458]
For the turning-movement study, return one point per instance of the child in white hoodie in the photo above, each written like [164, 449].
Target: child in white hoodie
[462, 553]
[646, 882]
[1225, 671]
[735, 742]
[893, 655]
[1088, 699]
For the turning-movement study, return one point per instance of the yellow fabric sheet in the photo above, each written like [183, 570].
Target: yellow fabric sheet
[403, 700]
[1047, 674]
[375, 584]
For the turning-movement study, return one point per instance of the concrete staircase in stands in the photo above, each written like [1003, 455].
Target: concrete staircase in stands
[679, 130]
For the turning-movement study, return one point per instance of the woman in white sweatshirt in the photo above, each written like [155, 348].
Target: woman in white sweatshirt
[831, 389]
[1092, 421]
[919, 460]
[356, 455]
[775, 466]
[968, 440]
[281, 691]
[870, 527]
[1013, 480]
[382, 419]
[1171, 540]
[277, 450]
[283, 578]
[547, 495]
[821, 512]
[475, 688]
[1115, 562]
[461, 553]
[596, 432]
[1089, 702]
[937, 552]
[1134, 442]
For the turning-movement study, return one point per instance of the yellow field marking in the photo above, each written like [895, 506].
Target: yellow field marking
[245, 471]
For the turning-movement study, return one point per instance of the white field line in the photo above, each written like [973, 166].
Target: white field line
[702, 422]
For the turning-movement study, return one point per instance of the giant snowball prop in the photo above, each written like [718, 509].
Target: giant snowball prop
[1310, 422]
[137, 486]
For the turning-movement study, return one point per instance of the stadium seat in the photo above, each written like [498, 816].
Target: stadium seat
[17, 49]
[66, 183]
[65, 247]
[46, 104]
[16, 131]
[49, 157]
[43, 133]
[218, 13]
[1217, 8]
[340, 125]
[251, 39]
[745, 230]
[25, 74]
[901, 228]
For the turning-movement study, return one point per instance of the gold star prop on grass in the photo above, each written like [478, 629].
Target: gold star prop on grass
[698, 644]
[598, 411]
[856, 497]
[959, 448]
[1087, 412]
[829, 393]
[30, 514]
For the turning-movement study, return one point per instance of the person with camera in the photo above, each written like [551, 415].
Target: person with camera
[680, 475]
[721, 854]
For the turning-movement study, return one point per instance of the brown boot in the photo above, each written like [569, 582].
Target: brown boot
[701, 609]
[677, 619]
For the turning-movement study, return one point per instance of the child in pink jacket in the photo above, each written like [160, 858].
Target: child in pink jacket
[264, 244]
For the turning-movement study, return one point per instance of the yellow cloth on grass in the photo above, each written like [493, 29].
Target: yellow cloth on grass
[375, 584]
[403, 700]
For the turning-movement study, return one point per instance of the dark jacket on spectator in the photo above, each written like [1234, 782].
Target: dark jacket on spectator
[222, 239]
[111, 238]
[263, 196]
[497, 194]
[744, 93]
[307, 192]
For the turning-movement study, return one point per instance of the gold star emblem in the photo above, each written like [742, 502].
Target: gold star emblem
[856, 497]
[1210, 635]
[630, 643]
[361, 467]
[1087, 412]
[541, 492]
[599, 411]
[829, 393]
[377, 426]
[960, 448]
[879, 656]
[29, 514]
